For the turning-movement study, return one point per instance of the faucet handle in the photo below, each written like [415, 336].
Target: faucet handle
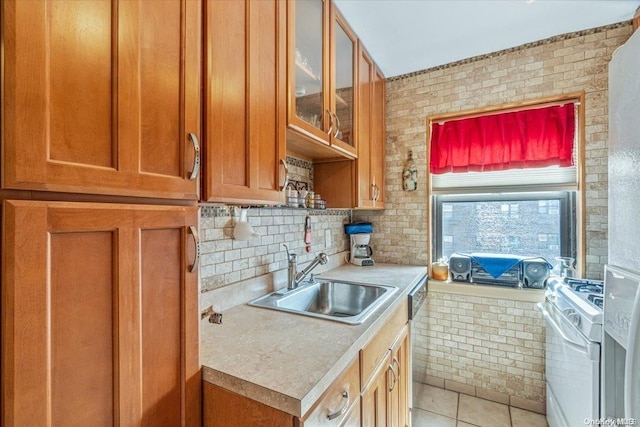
[290, 256]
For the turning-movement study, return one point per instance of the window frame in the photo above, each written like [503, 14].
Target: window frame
[580, 192]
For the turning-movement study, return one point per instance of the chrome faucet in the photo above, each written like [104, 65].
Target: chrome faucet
[293, 276]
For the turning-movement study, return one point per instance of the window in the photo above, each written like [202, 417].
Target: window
[505, 223]
[512, 203]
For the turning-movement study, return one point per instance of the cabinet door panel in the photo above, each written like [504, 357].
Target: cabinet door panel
[82, 351]
[245, 104]
[308, 67]
[363, 164]
[161, 343]
[80, 57]
[100, 323]
[375, 399]
[378, 139]
[343, 78]
[160, 87]
[99, 96]
[399, 401]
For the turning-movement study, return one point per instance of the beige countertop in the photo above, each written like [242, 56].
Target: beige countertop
[287, 360]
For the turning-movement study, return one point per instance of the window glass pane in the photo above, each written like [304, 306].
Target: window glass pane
[518, 227]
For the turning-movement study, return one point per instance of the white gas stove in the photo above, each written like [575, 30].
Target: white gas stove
[573, 315]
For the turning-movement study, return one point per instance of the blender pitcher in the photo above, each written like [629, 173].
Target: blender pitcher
[565, 267]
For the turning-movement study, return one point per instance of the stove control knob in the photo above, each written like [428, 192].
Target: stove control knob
[573, 317]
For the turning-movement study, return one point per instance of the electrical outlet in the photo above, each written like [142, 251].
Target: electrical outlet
[327, 238]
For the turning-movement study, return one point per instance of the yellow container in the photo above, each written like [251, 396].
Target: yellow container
[440, 271]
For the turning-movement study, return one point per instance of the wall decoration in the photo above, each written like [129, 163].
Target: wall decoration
[410, 174]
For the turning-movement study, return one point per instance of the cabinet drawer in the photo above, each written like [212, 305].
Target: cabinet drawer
[376, 349]
[339, 397]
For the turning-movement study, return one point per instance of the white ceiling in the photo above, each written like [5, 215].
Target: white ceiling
[404, 36]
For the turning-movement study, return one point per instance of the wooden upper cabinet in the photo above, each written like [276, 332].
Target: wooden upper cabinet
[370, 165]
[99, 315]
[365, 190]
[360, 183]
[321, 81]
[101, 97]
[378, 140]
[245, 100]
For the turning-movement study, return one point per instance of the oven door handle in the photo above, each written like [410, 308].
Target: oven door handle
[576, 346]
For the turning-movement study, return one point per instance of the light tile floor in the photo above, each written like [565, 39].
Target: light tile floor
[436, 407]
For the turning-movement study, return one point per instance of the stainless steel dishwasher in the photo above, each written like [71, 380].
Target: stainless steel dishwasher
[416, 297]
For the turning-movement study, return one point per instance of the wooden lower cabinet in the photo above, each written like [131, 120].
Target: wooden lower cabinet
[385, 400]
[399, 389]
[376, 385]
[99, 315]
[223, 408]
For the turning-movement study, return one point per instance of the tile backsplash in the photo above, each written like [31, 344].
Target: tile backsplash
[225, 261]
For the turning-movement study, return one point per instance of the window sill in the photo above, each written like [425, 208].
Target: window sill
[487, 291]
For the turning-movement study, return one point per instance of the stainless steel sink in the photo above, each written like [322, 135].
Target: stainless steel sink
[346, 302]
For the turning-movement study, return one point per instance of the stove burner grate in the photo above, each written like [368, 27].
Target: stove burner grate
[585, 285]
[596, 300]
[592, 289]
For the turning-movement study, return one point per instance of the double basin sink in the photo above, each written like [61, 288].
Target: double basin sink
[341, 301]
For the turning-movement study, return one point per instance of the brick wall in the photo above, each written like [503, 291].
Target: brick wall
[453, 337]
[491, 348]
[560, 65]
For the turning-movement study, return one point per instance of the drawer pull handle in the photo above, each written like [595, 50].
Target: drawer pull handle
[196, 156]
[345, 395]
[194, 232]
[283, 162]
[397, 362]
[395, 378]
[335, 135]
[330, 122]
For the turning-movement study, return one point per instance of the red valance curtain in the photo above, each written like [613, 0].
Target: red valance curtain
[520, 139]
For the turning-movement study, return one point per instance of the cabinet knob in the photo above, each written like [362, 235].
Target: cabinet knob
[196, 156]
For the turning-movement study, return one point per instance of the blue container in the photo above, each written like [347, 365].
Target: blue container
[358, 228]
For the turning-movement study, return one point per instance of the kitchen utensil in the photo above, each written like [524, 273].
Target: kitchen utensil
[307, 233]
[243, 230]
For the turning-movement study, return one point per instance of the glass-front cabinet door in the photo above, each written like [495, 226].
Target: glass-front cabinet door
[308, 112]
[343, 77]
[321, 80]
